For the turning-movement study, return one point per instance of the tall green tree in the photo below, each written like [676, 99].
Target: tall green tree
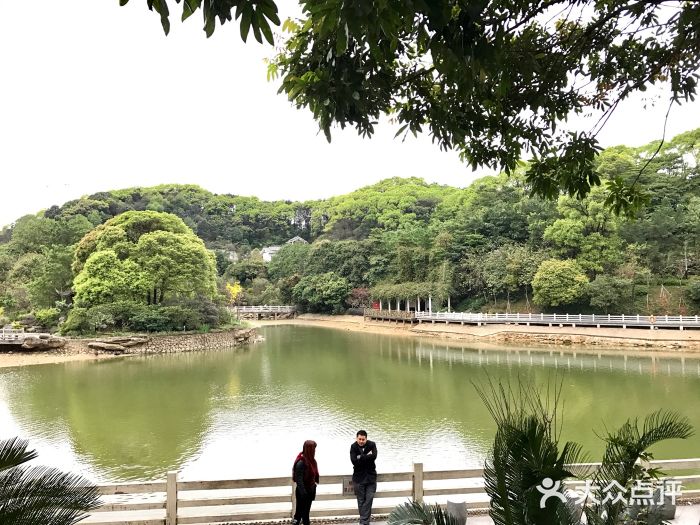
[105, 278]
[322, 293]
[146, 256]
[558, 283]
[53, 278]
[587, 231]
[30, 233]
[510, 269]
[609, 293]
[290, 260]
[175, 264]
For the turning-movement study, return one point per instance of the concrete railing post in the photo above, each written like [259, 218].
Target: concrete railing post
[294, 500]
[418, 482]
[171, 498]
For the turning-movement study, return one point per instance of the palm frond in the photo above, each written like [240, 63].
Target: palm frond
[525, 452]
[621, 460]
[31, 495]
[663, 425]
[502, 477]
[13, 452]
[414, 513]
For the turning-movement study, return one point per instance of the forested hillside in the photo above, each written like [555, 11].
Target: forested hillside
[489, 246]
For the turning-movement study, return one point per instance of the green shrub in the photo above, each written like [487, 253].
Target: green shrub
[101, 317]
[123, 311]
[77, 321]
[132, 316]
[610, 294]
[181, 318]
[209, 311]
[155, 318]
[692, 291]
[47, 317]
[150, 319]
[471, 304]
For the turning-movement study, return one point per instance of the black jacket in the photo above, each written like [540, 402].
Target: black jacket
[302, 488]
[363, 458]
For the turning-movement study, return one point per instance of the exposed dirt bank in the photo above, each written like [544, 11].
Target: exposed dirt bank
[40, 358]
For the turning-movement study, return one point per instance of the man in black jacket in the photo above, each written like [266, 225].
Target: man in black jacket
[363, 454]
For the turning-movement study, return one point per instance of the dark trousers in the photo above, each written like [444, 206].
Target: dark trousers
[303, 508]
[364, 492]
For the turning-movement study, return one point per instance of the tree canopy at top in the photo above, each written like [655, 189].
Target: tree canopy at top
[145, 256]
[490, 79]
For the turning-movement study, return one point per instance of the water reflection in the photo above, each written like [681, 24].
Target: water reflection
[646, 363]
[245, 414]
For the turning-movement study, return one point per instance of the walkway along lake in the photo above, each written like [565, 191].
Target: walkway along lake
[245, 413]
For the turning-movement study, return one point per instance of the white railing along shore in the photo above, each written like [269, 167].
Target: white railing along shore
[598, 320]
[12, 334]
[175, 502]
[265, 309]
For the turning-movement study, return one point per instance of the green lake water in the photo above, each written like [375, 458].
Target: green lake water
[246, 412]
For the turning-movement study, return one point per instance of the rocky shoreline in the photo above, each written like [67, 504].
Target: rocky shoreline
[165, 344]
[63, 349]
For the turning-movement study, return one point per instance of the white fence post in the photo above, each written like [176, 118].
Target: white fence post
[171, 498]
[418, 482]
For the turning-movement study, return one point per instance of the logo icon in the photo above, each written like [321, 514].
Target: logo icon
[550, 488]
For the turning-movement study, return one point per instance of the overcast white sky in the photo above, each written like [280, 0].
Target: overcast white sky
[94, 97]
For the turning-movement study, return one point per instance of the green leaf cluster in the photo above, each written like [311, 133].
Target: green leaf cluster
[558, 283]
[253, 14]
[492, 80]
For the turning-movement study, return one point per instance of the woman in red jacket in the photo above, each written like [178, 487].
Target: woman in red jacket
[305, 474]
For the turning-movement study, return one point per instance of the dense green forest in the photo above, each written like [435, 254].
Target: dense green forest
[490, 246]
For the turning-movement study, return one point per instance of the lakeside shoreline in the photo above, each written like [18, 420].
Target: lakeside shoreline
[565, 339]
[662, 343]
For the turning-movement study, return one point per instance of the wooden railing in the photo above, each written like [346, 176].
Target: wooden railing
[648, 321]
[174, 502]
